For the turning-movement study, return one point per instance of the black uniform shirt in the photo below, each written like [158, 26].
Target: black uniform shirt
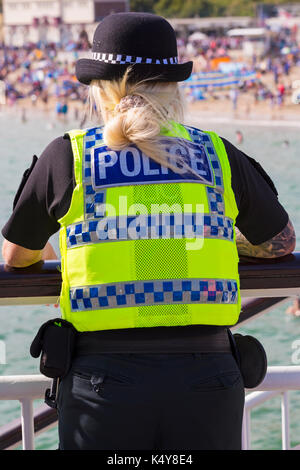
[45, 196]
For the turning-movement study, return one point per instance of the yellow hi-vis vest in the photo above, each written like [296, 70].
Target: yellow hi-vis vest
[144, 246]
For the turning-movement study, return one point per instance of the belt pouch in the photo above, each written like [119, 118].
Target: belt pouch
[251, 358]
[55, 341]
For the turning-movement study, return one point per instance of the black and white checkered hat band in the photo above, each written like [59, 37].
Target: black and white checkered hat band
[129, 59]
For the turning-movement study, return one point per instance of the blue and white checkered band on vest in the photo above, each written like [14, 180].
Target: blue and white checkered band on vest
[157, 292]
[104, 169]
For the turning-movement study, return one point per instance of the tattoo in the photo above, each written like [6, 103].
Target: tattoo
[280, 245]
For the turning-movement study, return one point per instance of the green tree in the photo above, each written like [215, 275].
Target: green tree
[146, 6]
[188, 8]
[197, 8]
[206, 8]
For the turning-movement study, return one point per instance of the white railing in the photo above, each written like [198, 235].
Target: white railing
[25, 389]
[278, 381]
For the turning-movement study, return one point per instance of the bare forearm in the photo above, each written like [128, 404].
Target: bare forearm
[19, 257]
[280, 245]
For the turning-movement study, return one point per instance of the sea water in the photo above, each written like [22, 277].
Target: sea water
[277, 150]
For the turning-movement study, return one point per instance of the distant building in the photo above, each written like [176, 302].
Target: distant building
[210, 25]
[272, 10]
[54, 20]
[283, 15]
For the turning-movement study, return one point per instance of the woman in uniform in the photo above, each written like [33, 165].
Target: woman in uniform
[147, 209]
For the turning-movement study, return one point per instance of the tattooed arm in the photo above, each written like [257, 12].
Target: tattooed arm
[282, 244]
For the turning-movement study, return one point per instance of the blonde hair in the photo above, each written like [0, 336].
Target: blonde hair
[136, 113]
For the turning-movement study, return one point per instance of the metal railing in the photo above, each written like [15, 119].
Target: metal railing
[279, 380]
[266, 282]
[25, 389]
[260, 278]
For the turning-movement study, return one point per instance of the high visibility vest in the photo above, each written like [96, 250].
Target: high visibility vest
[145, 246]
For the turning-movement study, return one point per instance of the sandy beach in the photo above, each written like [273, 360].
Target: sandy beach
[220, 108]
[247, 109]
[216, 107]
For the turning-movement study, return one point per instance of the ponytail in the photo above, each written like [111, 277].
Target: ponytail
[136, 114]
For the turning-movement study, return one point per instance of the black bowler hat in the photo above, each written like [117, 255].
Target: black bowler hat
[144, 41]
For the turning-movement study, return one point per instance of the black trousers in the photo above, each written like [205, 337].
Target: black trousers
[151, 402]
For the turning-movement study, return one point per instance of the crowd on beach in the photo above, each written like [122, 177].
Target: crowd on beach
[43, 74]
[281, 56]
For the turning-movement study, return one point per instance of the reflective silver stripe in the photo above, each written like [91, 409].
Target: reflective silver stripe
[154, 292]
[153, 226]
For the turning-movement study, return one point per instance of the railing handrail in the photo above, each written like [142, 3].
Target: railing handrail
[280, 378]
[279, 277]
[18, 387]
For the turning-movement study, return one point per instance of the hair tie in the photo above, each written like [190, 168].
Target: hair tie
[128, 102]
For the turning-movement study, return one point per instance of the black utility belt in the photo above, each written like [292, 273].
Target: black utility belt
[161, 340]
[57, 342]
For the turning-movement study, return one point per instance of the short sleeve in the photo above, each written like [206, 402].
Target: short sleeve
[261, 216]
[43, 198]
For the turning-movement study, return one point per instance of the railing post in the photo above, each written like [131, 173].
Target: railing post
[246, 430]
[285, 421]
[27, 424]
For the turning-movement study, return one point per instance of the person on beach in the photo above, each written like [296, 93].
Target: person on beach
[152, 217]
[239, 137]
[233, 93]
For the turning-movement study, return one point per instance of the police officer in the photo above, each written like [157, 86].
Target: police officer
[147, 209]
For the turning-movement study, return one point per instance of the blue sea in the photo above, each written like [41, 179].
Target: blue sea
[277, 150]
